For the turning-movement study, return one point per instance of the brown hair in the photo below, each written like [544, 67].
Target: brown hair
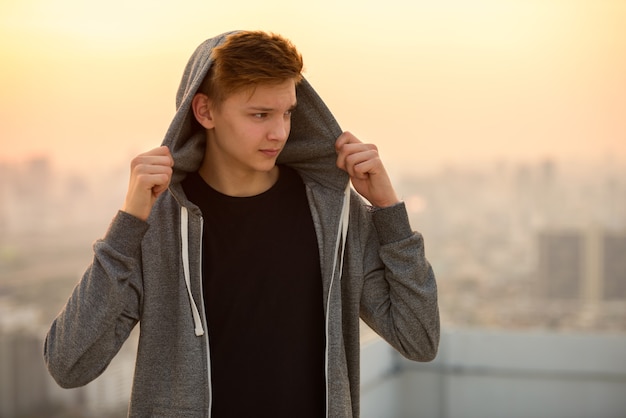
[247, 59]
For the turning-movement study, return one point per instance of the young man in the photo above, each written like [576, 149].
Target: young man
[245, 256]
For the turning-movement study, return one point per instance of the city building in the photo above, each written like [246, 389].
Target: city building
[581, 264]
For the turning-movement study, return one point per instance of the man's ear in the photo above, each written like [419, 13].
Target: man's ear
[202, 110]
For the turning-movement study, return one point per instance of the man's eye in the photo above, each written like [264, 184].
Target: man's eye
[260, 115]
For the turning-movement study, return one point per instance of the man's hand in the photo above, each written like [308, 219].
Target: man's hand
[150, 175]
[367, 173]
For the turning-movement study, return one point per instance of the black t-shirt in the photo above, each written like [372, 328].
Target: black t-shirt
[263, 300]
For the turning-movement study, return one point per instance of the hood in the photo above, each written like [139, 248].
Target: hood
[309, 149]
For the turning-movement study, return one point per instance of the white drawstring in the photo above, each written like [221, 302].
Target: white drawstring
[342, 233]
[184, 235]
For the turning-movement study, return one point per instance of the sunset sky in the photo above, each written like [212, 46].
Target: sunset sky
[431, 82]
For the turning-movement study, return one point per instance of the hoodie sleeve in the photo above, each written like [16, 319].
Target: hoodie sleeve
[103, 308]
[399, 298]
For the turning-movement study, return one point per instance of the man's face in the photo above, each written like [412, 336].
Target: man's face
[251, 130]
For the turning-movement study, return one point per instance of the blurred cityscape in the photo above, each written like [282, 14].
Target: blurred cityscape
[515, 246]
[534, 245]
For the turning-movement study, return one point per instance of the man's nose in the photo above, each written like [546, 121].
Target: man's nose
[280, 129]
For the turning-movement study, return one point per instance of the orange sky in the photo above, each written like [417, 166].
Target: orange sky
[430, 82]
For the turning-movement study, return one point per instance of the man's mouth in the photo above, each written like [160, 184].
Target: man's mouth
[271, 152]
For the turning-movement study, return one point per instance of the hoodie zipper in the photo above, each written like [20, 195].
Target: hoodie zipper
[340, 244]
[204, 324]
[327, 365]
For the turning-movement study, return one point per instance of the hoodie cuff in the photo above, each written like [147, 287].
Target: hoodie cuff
[125, 233]
[392, 223]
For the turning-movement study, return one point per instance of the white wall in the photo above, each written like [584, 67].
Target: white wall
[480, 373]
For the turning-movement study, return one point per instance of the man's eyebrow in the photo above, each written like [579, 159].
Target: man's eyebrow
[270, 109]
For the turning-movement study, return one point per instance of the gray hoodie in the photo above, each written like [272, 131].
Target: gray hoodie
[373, 267]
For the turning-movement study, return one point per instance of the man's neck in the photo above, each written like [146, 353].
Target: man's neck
[236, 183]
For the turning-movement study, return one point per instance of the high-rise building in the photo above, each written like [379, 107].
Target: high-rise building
[27, 389]
[560, 264]
[23, 388]
[614, 266]
[588, 265]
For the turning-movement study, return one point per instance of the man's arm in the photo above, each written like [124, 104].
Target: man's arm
[105, 305]
[103, 308]
[399, 295]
